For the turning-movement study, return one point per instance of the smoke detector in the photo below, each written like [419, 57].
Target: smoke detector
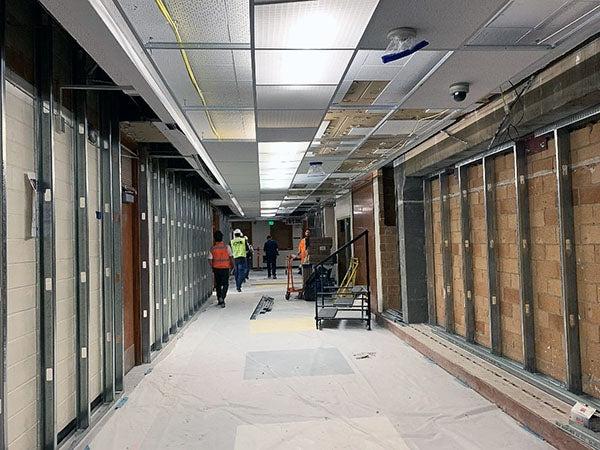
[403, 42]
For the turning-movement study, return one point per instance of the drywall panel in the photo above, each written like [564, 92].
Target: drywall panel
[545, 264]
[64, 213]
[585, 157]
[22, 311]
[95, 347]
[436, 209]
[507, 257]
[455, 250]
[479, 243]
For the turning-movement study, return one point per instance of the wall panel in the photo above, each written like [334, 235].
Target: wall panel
[64, 199]
[545, 263]
[479, 243]
[436, 216]
[455, 249]
[23, 327]
[507, 257]
[585, 159]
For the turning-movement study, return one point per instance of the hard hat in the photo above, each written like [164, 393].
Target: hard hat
[238, 231]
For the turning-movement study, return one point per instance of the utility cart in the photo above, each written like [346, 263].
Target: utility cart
[347, 301]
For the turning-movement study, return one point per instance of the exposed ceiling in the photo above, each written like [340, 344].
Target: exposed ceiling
[261, 90]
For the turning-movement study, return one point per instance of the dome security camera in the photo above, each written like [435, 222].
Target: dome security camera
[459, 91]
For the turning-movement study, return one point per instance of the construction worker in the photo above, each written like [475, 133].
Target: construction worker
[303, 249]
[271, 251]
[249, 255]
[221, 261]
[238, 248]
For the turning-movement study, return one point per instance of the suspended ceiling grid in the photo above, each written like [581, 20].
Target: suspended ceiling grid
[256, 87]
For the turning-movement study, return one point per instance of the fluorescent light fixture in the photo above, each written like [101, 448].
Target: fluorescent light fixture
[269, 210]
[268, 215]
[270, 203]
[278, 163]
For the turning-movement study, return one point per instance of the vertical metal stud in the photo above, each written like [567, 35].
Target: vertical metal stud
[164, 248]
[3, 222]
[156, 238]
[180, 297]
[107, 249]
[524, 244]
[46, 246]
[82, 243]
[492, 253]
[446, 253]
[186, 303]
[428, 213]
[467, 253]
[568, 260]
[172, 224]
[117, 282]
[144, 177]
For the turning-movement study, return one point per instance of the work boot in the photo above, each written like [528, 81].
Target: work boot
[239, 289]
[274, 277]
[220, 301]
[268, 276]
[222, 304]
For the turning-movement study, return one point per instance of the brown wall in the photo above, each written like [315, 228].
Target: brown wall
[585, 153]
[507, 257]
[363, 219]
[545, 255]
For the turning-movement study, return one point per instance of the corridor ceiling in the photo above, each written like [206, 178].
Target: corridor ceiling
[262, 88]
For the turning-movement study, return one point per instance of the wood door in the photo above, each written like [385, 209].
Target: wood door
[131, 324]
[363, 219]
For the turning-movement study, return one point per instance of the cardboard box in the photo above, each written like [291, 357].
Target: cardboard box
[585, 416]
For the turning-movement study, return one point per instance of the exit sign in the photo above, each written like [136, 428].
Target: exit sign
[271, 222]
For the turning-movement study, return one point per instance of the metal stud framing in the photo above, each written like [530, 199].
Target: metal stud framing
[428, 212]
[156, 239]
[164, 250]
[82, 244]
[492, 256]
[117, 283]
[186, 247]
[446, 253]
[46, 248]
[524, 244]
[107, 249]
[466, 253]
[172, 223]
[144, 178]
[568, 259]
[3, 217]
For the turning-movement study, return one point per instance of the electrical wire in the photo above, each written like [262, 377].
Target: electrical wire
[186, 61]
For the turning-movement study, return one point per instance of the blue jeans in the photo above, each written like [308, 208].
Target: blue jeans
[240, 272]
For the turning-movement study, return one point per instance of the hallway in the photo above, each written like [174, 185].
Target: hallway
[223, 383]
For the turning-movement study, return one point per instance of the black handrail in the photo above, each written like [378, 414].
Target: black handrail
[343, 247]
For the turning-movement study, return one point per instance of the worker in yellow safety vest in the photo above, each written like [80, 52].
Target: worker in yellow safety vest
[239, 249]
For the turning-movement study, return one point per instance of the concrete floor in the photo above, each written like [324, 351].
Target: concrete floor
[227, 382]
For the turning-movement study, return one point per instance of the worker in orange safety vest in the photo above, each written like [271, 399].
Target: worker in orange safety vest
[221, 261]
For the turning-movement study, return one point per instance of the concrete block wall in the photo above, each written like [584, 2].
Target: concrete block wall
[507, 257]
[95, 347]
[456, 251]
[22, 302]
[476, 199]
[64, 195]
[585, 160]
[436, 215]
[545, 263]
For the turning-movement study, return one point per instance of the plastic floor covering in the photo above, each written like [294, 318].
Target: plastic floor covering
[227, 382]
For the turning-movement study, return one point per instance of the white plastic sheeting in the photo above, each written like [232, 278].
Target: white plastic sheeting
[196, 395]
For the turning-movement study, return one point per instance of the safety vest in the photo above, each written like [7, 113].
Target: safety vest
[220, 256]
[238, 247]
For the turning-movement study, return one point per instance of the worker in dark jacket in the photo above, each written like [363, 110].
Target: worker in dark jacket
[271, 251]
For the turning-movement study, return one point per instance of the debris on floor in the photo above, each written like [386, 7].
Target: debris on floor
[265, 304]
[364, 355]
[121, 402]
